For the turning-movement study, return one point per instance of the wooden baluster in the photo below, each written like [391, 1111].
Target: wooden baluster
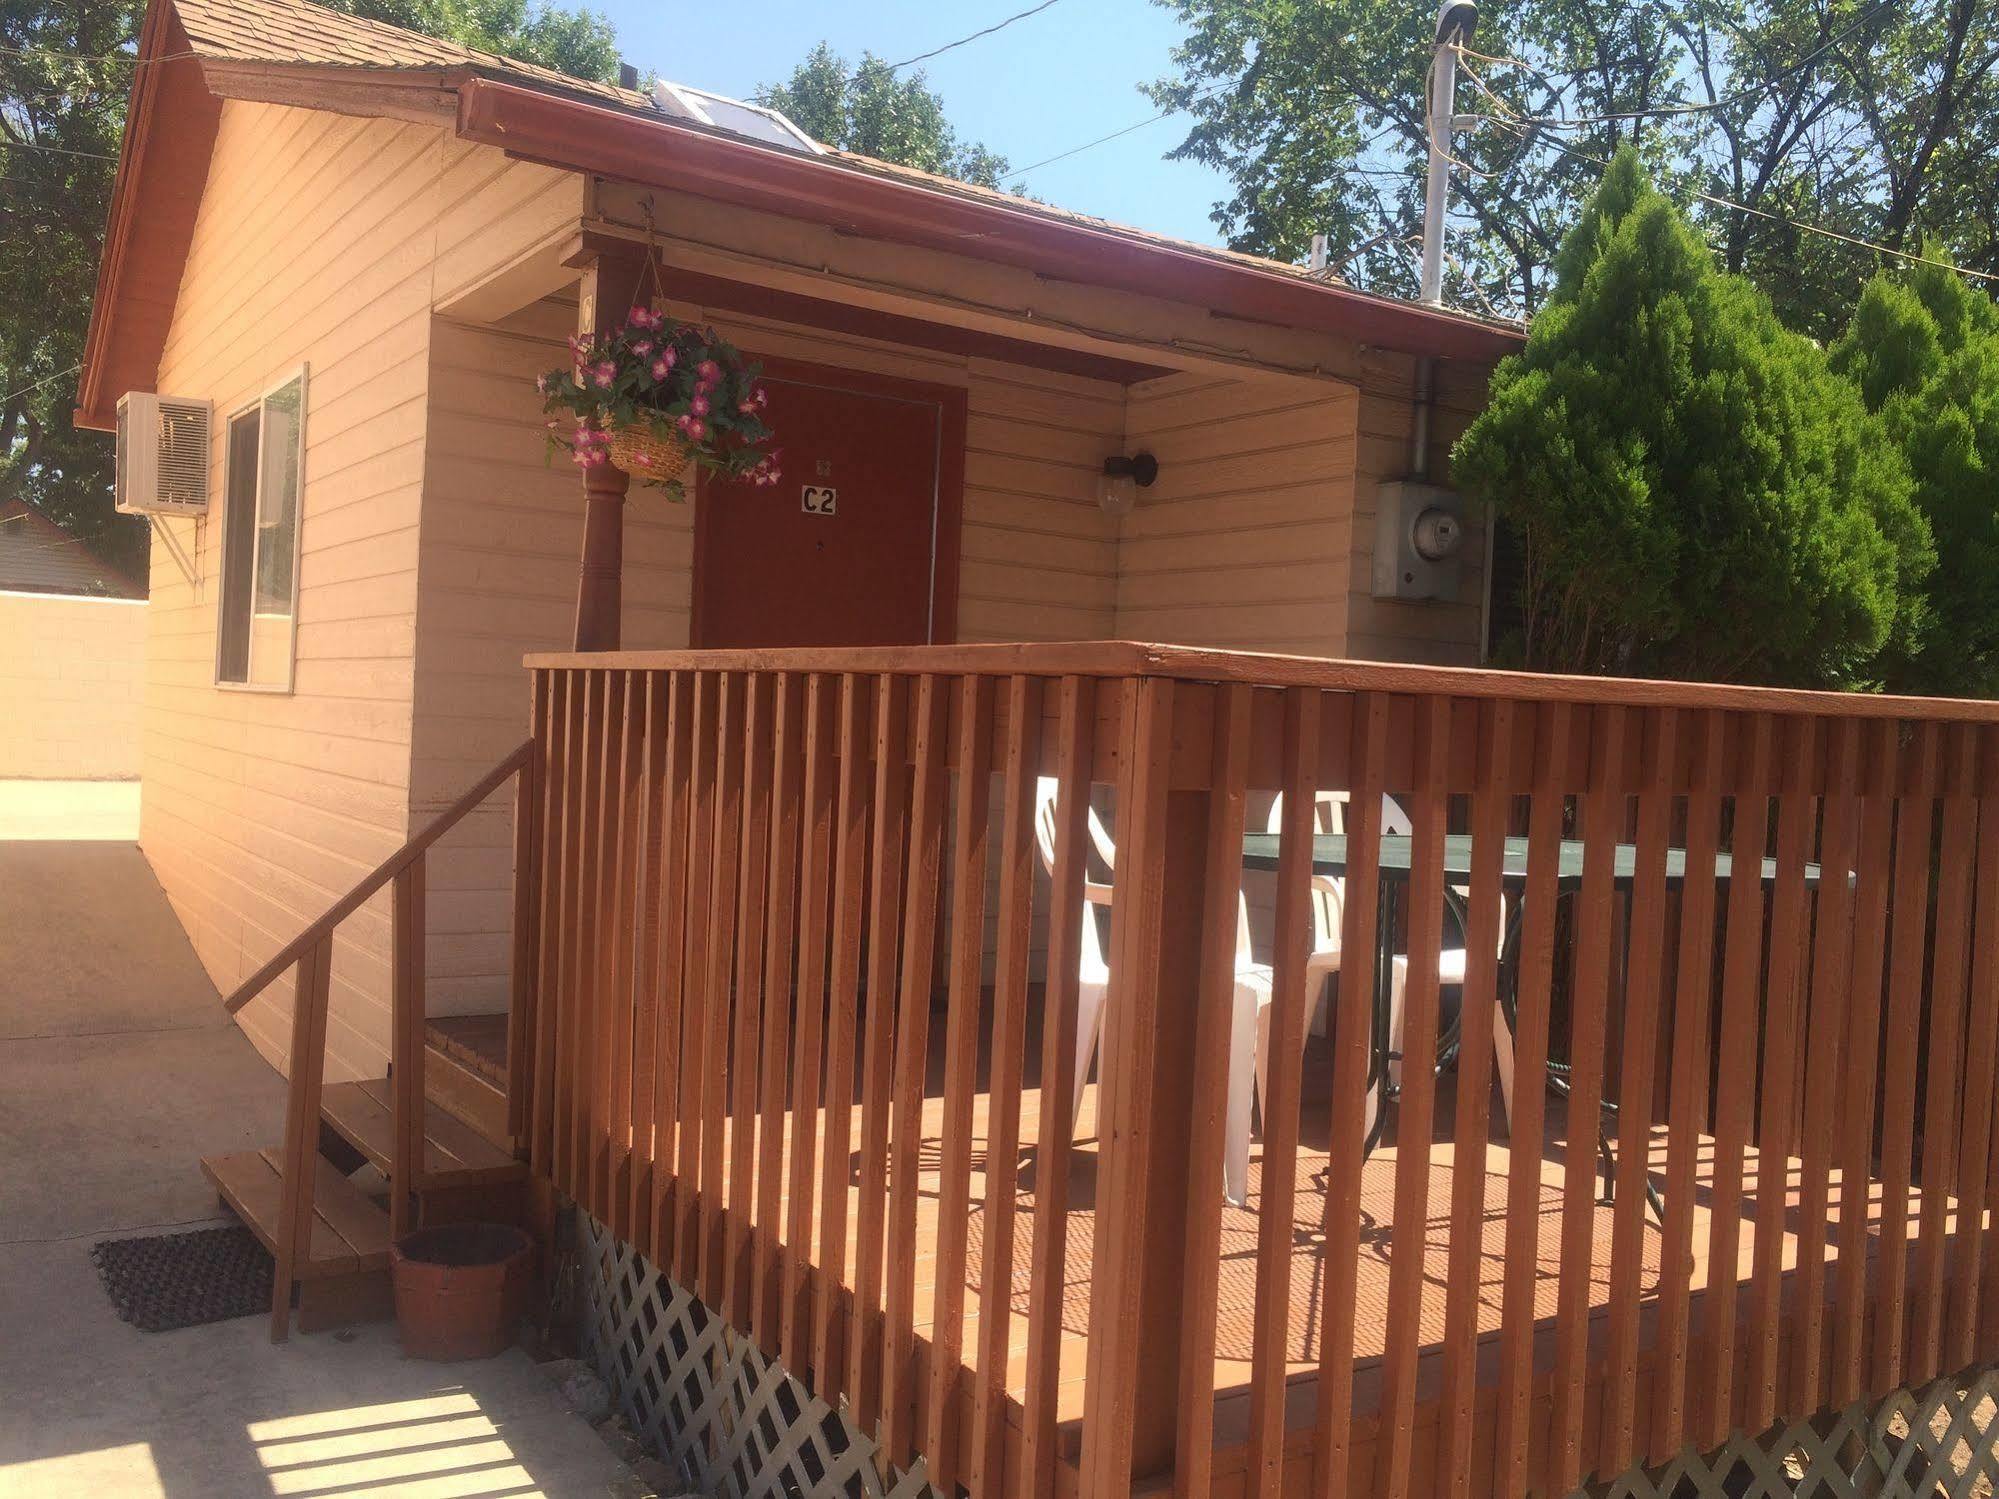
[1944, 1051]
[1415, 1113]
[611, 1150]
[1687, 1092]
[986, 1459]
[1047, 1273]
[1603, 815]
[1657, 743]
[1778, 1077]
[745, 1070]
[1825, 1059]
[1741, 967]
[891, 828]
[406, 1044]
[1872, 893]
[1132, 1373]
[1491, 808]
[930, 723]
[1970, 1290]
[649, 879]
[780, 935]
[1352, 1032]
[1915, 820]
[677, 887]
[1511, 1443]
[699, 998]
[1208, 1103]
[1291, 945]
[524, 992]
[833, 1310]
[554, 994]
[301, 1149]
[720, 1002]
[808, 1099]
[970, 854]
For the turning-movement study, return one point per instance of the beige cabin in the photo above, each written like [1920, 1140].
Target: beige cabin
[793, 954]
[361, 246]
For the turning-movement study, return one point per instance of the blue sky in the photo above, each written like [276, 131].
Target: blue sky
[1041, 86]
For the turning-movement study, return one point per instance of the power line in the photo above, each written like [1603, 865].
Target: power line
[27, 390]
[1033, 10]
[1022, 172]
[1764, 213]
[1676, 106]
[54, 150]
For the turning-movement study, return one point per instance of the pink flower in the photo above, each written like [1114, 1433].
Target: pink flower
[642, 348]
[661, 369]
[708, 370]
[669, 356]
[603, 374]
[760, 398]
[747, 408]
[696, 428]
[541, 383]
[699, 405]
[640, 317]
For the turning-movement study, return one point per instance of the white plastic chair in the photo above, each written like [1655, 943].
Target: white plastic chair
[1328, 908]
[1252, 990]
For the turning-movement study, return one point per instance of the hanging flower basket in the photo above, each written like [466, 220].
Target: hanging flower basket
[647, 457]
[660, 399]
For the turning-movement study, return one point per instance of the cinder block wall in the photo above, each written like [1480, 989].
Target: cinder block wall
[71, 674]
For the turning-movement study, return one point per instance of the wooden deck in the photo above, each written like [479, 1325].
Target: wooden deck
[754, 874]
[1235, 1323]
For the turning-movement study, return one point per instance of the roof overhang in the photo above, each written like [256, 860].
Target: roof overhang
[163, 158]
[170, 133]
[661, 152]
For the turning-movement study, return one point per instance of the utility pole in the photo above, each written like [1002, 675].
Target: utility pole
[1455, 22]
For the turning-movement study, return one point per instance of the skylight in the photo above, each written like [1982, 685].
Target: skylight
[752, 121]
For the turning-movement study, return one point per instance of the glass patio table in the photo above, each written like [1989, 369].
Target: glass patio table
[1329, 857]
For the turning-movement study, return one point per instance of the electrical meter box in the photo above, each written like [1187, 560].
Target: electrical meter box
[1419, 540]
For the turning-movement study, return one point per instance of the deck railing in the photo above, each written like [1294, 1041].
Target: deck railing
[772, 883]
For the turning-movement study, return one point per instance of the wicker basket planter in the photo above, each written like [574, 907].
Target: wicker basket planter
[640, 452]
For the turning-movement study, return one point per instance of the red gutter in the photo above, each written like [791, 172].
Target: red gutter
[569, 133]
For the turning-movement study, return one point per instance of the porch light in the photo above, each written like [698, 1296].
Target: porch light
[1123, 477]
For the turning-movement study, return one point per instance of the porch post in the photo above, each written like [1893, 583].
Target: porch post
[609, 284]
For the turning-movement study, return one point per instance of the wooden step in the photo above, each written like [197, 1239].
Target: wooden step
[454, 1153]
[350, 1232]
[478, 1042]
[465, 1092]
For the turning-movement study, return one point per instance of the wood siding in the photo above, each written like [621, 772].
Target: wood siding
[502, 529]
[439, 545]
[318, 242]
[1243, 540]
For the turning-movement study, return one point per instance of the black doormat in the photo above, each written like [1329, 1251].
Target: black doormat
[166, 1281]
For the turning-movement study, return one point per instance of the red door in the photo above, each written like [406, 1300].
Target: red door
[858, 543]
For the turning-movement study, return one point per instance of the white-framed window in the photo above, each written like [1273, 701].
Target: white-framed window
[263, 484]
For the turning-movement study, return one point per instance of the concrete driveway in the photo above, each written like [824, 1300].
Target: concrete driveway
[117, 1072]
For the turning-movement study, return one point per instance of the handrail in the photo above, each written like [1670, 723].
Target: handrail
[1127, 658]
[522, 754]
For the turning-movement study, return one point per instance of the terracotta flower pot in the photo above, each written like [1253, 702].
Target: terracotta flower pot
[460, 1288]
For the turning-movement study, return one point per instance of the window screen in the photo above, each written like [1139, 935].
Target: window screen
[260, 540]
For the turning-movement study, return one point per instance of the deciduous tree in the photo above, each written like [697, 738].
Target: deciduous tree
[65, 73]
[873, 111]
[1871, 117]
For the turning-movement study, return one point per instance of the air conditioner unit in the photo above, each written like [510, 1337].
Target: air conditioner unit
[162, 454]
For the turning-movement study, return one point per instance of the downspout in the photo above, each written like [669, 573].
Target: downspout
[1419, 427]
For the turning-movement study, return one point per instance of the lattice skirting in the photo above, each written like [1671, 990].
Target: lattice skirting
[704, 1400]
[1940, 1442]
